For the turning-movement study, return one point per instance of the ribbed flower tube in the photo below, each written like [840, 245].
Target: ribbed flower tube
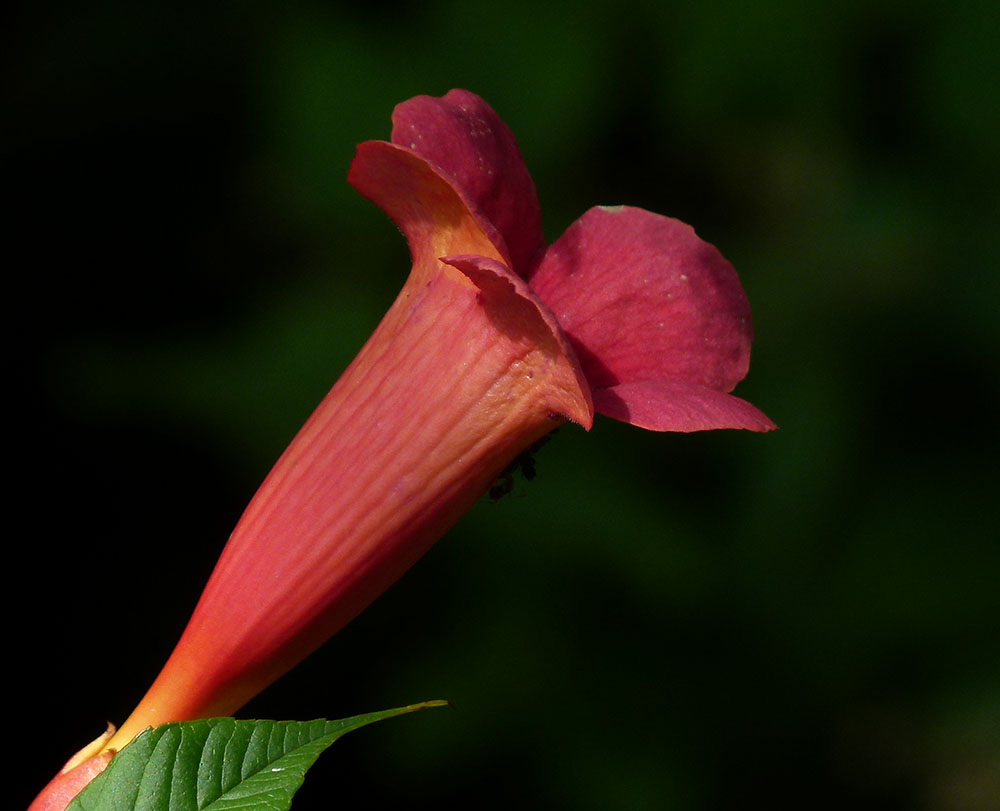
[464, 373]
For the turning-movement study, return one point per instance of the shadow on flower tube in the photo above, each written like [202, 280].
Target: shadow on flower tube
[494, 341]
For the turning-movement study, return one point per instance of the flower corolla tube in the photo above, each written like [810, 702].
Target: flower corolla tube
[494, 341]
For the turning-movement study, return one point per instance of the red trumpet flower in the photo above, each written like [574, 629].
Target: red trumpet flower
[493, 342]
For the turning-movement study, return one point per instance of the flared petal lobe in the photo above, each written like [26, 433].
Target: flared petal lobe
[675, 405]
[467, 142]
[509, 299]
[435, 220]
[644, 301]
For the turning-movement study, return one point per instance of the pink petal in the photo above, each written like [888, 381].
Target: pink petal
[433, 216]
[642, 298]
[674, 405]
[467, 142]
[516, 311]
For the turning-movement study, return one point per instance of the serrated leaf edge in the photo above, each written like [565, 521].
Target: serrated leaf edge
[311, 738]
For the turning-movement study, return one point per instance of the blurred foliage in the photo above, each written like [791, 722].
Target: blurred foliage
[806, 619]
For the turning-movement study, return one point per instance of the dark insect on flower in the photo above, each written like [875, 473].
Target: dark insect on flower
[523, 463]
[503, 485]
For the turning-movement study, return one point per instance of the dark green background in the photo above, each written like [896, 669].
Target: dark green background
[806, 619]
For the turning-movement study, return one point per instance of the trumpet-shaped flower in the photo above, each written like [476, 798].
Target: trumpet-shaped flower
[493, 341]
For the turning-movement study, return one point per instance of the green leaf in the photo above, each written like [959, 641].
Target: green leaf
[218, 764]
